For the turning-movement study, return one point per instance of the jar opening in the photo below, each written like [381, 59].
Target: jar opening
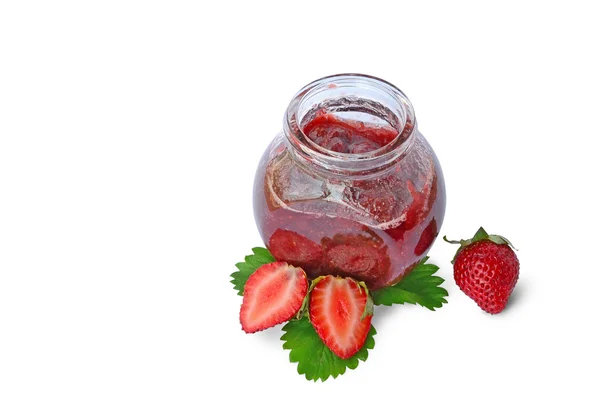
[349, 123]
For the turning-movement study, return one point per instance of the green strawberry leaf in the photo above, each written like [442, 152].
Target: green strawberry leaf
[420, 286]
[252, 262]
[315, 360]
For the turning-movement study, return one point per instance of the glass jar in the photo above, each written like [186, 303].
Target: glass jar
[350, 187]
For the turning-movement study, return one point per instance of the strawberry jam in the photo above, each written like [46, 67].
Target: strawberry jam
[350, 187]
[342, 136]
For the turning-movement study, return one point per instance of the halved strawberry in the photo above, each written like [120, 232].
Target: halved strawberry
[273, 294]
[340, 314]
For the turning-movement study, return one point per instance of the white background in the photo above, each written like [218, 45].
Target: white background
[129, 136]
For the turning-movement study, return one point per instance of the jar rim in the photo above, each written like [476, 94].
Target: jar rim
[344, 163]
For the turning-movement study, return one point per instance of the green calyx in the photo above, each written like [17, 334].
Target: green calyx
[479, 236]
[304, 308]
[369, 305]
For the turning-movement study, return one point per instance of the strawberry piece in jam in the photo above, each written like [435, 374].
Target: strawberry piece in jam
[357, 256]
[427, 237]
[297, 250]
[418, 210]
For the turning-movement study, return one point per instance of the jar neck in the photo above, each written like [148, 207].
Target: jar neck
[359, 97]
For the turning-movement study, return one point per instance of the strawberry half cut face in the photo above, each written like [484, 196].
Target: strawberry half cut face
[340, 315]
[273, 294]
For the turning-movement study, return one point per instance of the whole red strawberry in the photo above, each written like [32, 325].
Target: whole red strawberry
[486, 269]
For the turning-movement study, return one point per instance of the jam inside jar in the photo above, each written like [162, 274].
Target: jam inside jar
[350, 187]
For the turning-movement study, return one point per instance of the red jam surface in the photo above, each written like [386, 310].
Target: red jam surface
[373, 229]
[343, 136]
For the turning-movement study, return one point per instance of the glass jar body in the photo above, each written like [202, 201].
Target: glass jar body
[372, 226]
